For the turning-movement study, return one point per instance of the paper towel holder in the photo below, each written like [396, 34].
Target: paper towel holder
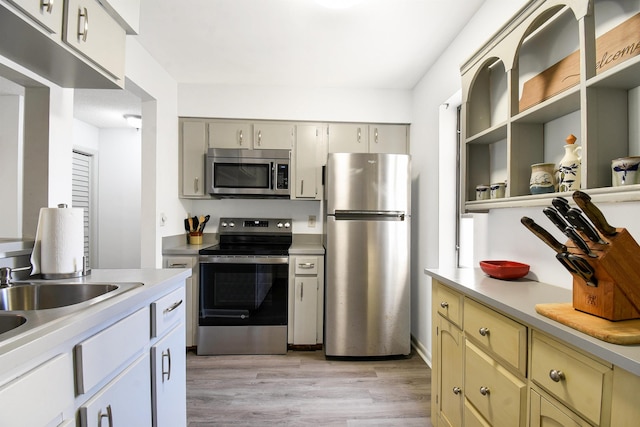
[57, 276]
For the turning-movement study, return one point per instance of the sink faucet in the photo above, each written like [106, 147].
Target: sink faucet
[5, 275]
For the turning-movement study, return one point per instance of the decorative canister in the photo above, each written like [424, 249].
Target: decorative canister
[543, 178]
[624, 171]
[483, 192]
[497, 190]
[569, 167]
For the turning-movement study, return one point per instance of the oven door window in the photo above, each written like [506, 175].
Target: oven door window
[243, 294]
[242, 175]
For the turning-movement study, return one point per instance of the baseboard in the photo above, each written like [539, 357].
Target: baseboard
[421, 350]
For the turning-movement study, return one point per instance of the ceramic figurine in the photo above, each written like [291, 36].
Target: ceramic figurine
[569, 167]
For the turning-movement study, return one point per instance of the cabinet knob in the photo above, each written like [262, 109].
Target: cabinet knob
[556, 376]
[483, 331]
[484, 391]
[444, 304]
[457, 390]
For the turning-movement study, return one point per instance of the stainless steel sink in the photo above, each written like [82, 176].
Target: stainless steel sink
[10, 322]
[39, 296]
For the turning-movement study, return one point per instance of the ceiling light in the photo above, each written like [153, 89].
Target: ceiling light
[338, 4]
[133, 120]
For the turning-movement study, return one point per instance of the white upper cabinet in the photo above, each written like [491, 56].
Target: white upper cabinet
[94, 33]
[273, 135]
[47, 13]
[368, 138]
[230, 135]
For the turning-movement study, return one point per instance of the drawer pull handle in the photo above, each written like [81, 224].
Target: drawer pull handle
[457, 390]
[167, 372]
[484, 391]
[46, 5]
[108, 416]
[483, 331]
[183, 265]
[306, 265]
[83, 30]
[556, 376]
[172, 307]
[444, 304]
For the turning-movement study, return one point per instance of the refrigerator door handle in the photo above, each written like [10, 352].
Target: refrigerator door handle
[398, 215]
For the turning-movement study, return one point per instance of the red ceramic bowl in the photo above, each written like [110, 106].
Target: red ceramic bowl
[506, 270]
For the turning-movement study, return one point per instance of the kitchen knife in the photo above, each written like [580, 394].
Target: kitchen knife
[543, 234]
[572, 234]
[593, 213]
[568, 230]
[561, 204]
[579, 221]
[584, 268]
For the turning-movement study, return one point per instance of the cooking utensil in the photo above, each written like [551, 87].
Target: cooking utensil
[195, 223]
[200, 223]
[543, 234]
[190, 220]
[579, 221]
[186, 224]
[561, 204]
[555, 217]
[593, 213]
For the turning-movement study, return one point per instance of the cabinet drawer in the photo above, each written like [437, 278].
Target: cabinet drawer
[307, 266]
[99, 356]
[494, 391]
[574, 379]
[167, 311]
[449, 304]
[497, 334]
[49, 15]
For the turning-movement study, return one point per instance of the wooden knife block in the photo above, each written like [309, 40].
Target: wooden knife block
[617, 270]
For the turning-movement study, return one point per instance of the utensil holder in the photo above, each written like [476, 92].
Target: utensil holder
[616, 295]
[195, 238]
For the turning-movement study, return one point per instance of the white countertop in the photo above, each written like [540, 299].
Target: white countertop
[61, 328]
[518, 298]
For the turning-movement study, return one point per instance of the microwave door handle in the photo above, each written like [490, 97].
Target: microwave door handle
[273, 175]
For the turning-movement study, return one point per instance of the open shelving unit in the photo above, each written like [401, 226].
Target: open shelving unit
[504, 132]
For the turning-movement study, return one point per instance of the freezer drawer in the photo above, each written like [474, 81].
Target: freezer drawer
[367, 308]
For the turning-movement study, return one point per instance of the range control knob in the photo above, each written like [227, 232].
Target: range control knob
[224, 224]
[232, 224]
[287, 225]
[279, 225]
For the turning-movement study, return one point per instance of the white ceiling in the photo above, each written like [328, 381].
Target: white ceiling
[376, 44]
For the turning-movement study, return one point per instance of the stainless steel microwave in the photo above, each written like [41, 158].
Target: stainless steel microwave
[248, 173]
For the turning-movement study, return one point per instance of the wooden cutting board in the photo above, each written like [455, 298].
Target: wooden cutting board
[623, 332]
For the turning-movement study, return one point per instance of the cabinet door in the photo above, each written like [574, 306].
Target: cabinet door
[40, 396]
[348, 138]
[124, 401]
[549, 413]
[230, 135]
[273, 136]
[449, 374]
[47, 13]
[191, 288]
[193, 151]
[168, 364]
[307, 166]
[388, 139]
[305, 306]
[91, 31]
[625, 403]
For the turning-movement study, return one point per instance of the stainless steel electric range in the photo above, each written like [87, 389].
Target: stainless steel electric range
[243, 288]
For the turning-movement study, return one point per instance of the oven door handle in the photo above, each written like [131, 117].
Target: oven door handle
[218, 259]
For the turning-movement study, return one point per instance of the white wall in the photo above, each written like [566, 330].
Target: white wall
[437, 86]
[11, 151]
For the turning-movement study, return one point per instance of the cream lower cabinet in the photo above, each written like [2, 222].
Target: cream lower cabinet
[306, 300]
[168, 380]
[192, 293]
[513, 375]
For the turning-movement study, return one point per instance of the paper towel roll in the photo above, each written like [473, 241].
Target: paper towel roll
[60, 240]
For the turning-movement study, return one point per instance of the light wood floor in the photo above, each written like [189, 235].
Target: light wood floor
[302, 388]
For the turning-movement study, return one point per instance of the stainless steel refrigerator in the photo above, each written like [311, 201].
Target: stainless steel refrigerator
[367, 241]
